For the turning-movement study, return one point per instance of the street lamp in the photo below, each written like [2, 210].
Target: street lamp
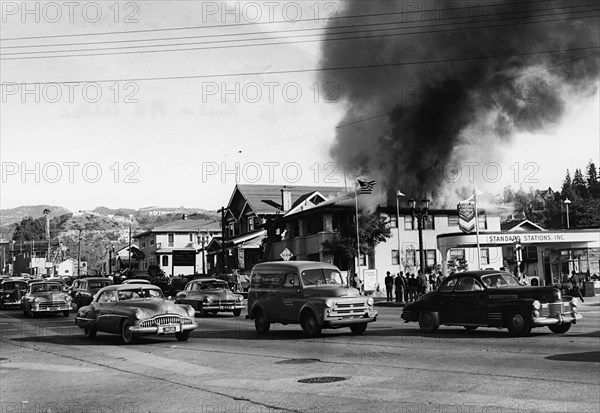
[109, 249]
[567, 202]
[398, 195]
[420, 214]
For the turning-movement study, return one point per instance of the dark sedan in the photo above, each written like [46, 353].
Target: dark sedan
[83, 290]
[11, 292]
[210, 295]
[492, 299]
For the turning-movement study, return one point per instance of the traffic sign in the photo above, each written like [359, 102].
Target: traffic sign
[286, 254]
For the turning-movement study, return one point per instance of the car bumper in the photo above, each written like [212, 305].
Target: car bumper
[341, 321]
[11, 304]
[222, 307]
[166, 329]
[52, 309]
[561, 319]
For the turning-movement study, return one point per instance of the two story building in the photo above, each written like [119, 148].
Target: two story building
[177, 248]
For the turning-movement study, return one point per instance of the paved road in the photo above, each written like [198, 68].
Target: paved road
[46, 365]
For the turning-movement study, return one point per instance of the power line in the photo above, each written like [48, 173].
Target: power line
[518, 3]
[563, 11]
[383, 115]
[325, 69]
[262, 44]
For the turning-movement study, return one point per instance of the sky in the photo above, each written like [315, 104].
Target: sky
[180, 128]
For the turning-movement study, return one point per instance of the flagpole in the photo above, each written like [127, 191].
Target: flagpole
[357, 233]
[477, 229]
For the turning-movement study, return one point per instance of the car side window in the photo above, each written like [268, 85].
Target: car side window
[291, 280]
[107, 297]
[448, 285]
[468, 284]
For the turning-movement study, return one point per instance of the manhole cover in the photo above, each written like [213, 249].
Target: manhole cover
[321, 380]
[297, 361]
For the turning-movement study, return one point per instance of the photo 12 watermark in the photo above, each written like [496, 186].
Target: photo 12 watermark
[269, 92]
[69, 172]
[69, 407]
[70, 92]
[33, 12]
[268, 11]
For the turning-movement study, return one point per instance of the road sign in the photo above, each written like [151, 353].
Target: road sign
[286, 254]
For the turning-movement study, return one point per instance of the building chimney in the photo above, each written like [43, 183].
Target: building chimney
[184, 217]
[286, 198]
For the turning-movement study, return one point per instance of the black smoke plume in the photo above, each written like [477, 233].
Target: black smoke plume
[458, 79]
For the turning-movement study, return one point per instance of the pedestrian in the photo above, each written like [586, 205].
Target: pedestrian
[359, 284]
[400, 285]
[421, 283]
[389, 286]
[576, 285]
[413, 285]
[432, 280]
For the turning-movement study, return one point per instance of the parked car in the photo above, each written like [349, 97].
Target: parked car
[311, 293]
[210, 295]
[133, 310]
[492, 299]
[11, 292]
[46, 297]
[83, 290]
[136, 281]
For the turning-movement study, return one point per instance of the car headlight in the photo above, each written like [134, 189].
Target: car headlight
[36, 300]
[191, 312]
[370, 301]
[208, 299]
[329, 303]
[536, 305]
[68, 298]
[140, 314]
[240, 298]
[7, 296]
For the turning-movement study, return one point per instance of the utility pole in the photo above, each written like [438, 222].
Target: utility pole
[79, 255]
[223, 264]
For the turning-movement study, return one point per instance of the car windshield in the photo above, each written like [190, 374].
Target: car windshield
[499, 280]
[13, 285]
[135, 293]
[46, 288]
[213, 285]
[320, 276]
[98, 284]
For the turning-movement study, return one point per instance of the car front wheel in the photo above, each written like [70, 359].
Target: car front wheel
[89, 332]
[126, 335]
[428, 322]
[183, 336]
[560, 328]
[358, 329]
[66, 313]
[310, 325]
[236, 313]
[518, 324]
[261, 324]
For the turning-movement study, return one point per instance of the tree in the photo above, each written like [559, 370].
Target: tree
[579, 185]
[372, 229]
[567, 189]
[593, 181]
[30, 229]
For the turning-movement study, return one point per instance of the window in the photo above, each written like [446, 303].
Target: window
[152, 240]
[482, 222]
[457, 254]
[448, 285]
[251, 224]
[393, 221]
[363, 260]
[191, 237]
[430, 258]
[165, 260]
[411, 257]
[428, 222]
[468, 284]
[171, 239]
[485, 255]
[143, 242]
[395, 257]
[452, 220]
[409, 222]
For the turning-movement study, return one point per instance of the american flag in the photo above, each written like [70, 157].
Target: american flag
[365, 187]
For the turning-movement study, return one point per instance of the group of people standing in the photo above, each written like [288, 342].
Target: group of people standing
[410, 287]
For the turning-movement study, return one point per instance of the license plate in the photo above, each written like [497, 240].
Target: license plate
[227, 307]
[170, 329]
[54, 309]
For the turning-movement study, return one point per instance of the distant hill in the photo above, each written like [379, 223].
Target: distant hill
[16, 215]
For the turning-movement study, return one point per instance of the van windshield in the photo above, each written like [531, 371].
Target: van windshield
[321, 276]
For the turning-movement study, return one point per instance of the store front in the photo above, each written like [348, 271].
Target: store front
[555, 253]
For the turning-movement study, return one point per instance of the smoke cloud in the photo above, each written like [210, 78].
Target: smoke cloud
[459, 79]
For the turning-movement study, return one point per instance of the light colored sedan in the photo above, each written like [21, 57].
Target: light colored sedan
[211, 296]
